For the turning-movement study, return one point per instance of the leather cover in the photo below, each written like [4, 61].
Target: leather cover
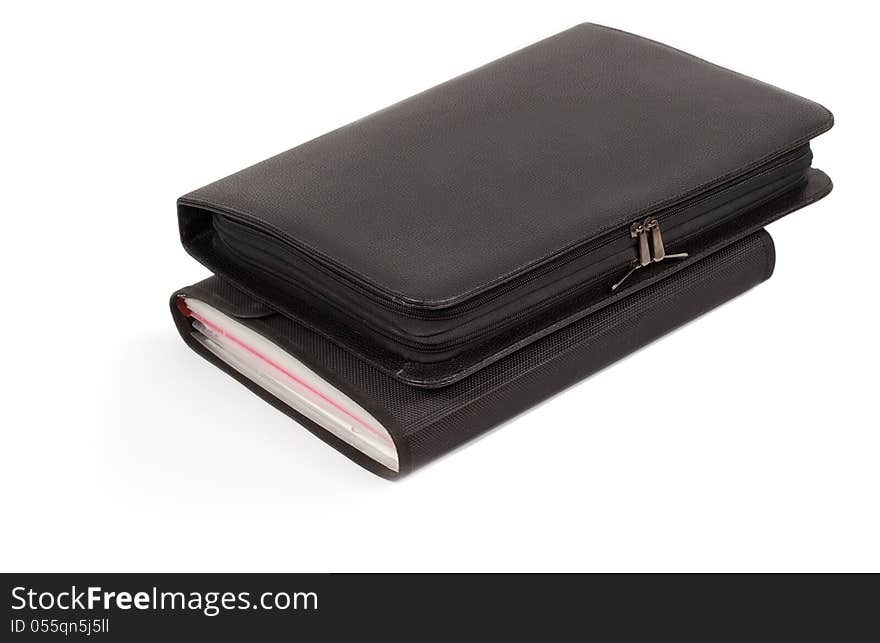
[427, 423]
[457, 218]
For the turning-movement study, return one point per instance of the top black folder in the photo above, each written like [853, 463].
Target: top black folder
[439, 234]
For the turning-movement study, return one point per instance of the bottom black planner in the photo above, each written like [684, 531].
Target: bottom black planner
[392, 428]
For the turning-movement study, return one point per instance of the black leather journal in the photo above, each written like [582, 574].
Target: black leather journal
[411, 279]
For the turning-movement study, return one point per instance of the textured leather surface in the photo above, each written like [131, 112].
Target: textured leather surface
[424, 423]
[477, 180]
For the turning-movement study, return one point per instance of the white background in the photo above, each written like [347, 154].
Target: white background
[747, 441]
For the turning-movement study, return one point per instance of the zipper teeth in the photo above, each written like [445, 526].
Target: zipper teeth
[577, 289]
[670, 214]
[581, 287]
[665, 215]
[414, 311]
[448, 344]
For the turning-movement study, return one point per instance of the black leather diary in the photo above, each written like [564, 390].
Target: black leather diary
[411, 279]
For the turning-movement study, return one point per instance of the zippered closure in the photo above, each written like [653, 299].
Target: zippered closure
[648, 229]
[669, 216]
[654, 254]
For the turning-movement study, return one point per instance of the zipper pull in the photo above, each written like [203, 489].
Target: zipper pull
[638, 231]
[646, 256]
[656, 238]
[651, 224]
[635, 265]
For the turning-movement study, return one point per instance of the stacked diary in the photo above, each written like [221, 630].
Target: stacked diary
[412, 279]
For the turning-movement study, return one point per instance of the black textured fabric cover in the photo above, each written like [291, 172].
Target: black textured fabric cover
[457, 257]
[426, 423]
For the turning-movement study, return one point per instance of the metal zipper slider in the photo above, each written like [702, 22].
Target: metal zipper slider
[656, 252]
[651, 224]
[638, 231]
[656, 238]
